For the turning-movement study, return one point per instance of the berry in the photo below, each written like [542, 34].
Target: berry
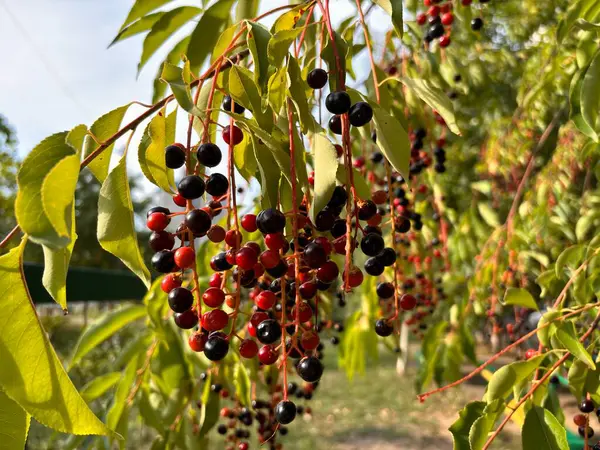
[215, 320]
[445, 41]
[308, 290]
[385, 290]
[157, 221]
[304, 312]
[265, 300]
[233, 238]
[156, 209]
[216, 348]
[335, 124]
[338, 102]
[163, 261]
[447, 19]
[237, 108]
[213, 297]
[387, 257]
[421, 18]
[339, 228]
[270, 221]
[268, 331]
[217, 185]
[209, 155]
[355, 277]
[216, 234]
[285, 412]
[184, 257]
[317, 78]
[161, 240]
[191, 187]
[198, 221]
[372, 244]
[180, 299]
[310, 369]
[587, 406]
[179, 200]
[232, 136]
[585, 431]
[339, 197]
[246, 258]
[267, 355]
[408, 302]
[248, 223]
[310, 340]
[402, 225]
[175, 156]
[580, 420]
[248, 349]
[315, 255]
[328, 272]
[325, 219]
[436, 31]
[170, 282]
[219, 262]
[383, 329]
[186, 320]
[197, 341]
[476, 24]
[360, 114]
[367, 210]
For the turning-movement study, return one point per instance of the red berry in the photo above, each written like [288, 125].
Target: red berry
[216, 234]
[270, 259]
[408, 302]
[267, 355]
[213, 297]
[339, 150]
[328, 272]
[275, 241]
[448, 18]
[215, 320]
[359, 162]
[245, 258]
[305, 312]
[355, 277]
[445, 42]
[254, 246]
[324, 242]
[184, 257]
[157, 221]
[258, 317]
[259, 270]
[197, 341]
[433, 11]
[580, 420]
[215, 280]
[249, 223]
[308, 290]
[251, 329]
[233, 135]
[179, 200]
[310, 340]
[243, 446]
[248, 349]
[530, 353]
[265, 300]
[311, 178]
[466, 2]
[170, 282]
[421, 18]
[233, 238]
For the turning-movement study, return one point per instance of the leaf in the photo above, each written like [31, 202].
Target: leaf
[279, 45]
[394, 9]
[480, 429]
[244, 159]
[29, 206]
[102, 129]
[544, 334]
[520, 297]
[137, 27]
[164, 28]
[577, 9]
[325, 163]
[289, 20]
[488, 214]
[583, 380]
[104, 328]
[269, 173]
[244, 91]
[176, 54]
[243, 385]
[119, 408]
[99, 386]
[174, 76]
[363, 190]
[542, 431]
[259, 38]
[142, 7]
[206, 34]
[58, 192]
[14, 424]
[461, 427]
[590, 95]
[435, 98]
[116, 230]
[155, 152]
[32, 375]
[392, 140]
[502, 382]
[566, 334]
[202, 105]
[56, 267]
[297, 92]
[570, 257]
[329, 55]
[209, 414]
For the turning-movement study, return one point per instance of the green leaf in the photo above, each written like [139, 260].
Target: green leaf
[142, 7]
[590, 95]
[269, 173]
[244, 91]
[206, 34]
[154, 158]
[56, 267]
[489, 215]
[164, 28]
[435, 98]
[259, 38]
[14, 424]
[202, 105]
[392, 140]
[296, 89]
[99, 386]
[29, 206]
[243, 385]
[244, 159]
[520, 297]
[363, 190]
[209, 414]
[104, 328]
[577, 9]
[176, 54]
[116, 230]
[502, 382]
[137, 27]
[542, 431]
[394, 9]
[175, 77]
[279, 45]
[32, 375]
[583, 380]
[326, 165]
[566, 334]
[480, 429]
[329, 55]
[461, 427]
[544, 334]
[119, 408]
[102, 129]
[570, 257]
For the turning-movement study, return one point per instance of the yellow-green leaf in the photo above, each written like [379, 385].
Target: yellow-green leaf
[258, 38]
[140, 8]
[394, 9]
[155, 152]
[58, 193]
[325, 165]
[139, 26]
[99, 386]
[392, 140]
[116, 230]
[520, 297]
[175, 77]
[14, 424]
[590, 95]
[32, 375]
[296, 88]
[567, 336]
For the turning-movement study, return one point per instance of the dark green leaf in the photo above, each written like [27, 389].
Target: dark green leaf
[542, 431]
[461, 428]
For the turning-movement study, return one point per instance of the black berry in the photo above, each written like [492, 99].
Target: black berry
[191, 187]
[238, 109]
[385, 290]
[270, 221]
[180, 299]
[310, 369]
[163, 261]
[285, 412]
[161, 240]
[198, 221]
[335, 124]
[216, 348]
[383, 329]
[268, 331]
[372, 244]
[217, 185]
[360, 114]
[317, 78]
[174, 156]
[374, 266]
[209, 155]
[476, 24]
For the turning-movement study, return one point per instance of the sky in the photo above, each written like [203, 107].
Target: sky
[57, 71]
